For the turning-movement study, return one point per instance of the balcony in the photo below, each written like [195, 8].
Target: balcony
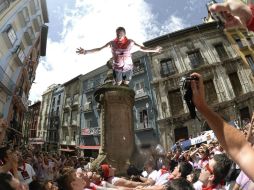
[20, 99]
[65, 124]
[67, 107]
[6, 82]
[138, 70]
[88, 107]
[64, 142]
[140, 94]
[91, 131]
[74, 123]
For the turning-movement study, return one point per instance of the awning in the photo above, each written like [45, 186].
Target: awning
[66, 150]
[89, 147]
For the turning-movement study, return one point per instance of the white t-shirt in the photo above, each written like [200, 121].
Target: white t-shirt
[26, 173]
[153, 175]
[198, 185]
[161, 179]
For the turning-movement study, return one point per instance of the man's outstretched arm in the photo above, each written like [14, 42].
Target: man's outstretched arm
[83, 51]
[231, 139]
[146, 49]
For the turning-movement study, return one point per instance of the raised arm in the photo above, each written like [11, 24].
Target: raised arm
[236, 13]
[250, 136]
[83, 51]
[145, 49]
[231, 139]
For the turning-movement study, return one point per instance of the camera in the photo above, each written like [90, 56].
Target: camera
[216, 16]
[185, 84]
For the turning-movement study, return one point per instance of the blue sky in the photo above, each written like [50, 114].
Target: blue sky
[92, 23]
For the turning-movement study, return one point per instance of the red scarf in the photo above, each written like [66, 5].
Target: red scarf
[209, 188]
[121, 44]
[163, 170]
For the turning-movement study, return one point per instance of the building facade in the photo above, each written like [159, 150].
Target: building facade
[144, 111]
[23, 37]
[30, 124]
[70, 123]
[44, 116]
[204, 49]
[54, 124]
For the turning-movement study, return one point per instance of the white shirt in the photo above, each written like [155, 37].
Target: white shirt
[153, 175]
[161, 179]
[26, 173]
[198, 185]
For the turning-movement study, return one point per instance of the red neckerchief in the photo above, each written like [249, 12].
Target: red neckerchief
[24, 167]
[204, 159]
[121, 44]
[209, 188]
[222, 183]
[163, 170]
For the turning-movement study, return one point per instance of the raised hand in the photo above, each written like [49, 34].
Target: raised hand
[158, 49]
[235, 12]
[81, 51]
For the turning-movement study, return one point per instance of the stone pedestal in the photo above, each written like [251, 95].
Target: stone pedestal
[117, 133]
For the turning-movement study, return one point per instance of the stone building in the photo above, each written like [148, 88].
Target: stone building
[70, 122]
[23, 37]
[30, 124]
[90, 112]
[228, 85]
[54, 124]
[44, 116]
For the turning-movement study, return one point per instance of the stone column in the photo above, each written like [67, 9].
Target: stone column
[117, 133]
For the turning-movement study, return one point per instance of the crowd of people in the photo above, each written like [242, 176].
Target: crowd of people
[223, 164]
[202, 167]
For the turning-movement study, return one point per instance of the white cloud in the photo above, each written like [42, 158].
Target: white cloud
[92, 24]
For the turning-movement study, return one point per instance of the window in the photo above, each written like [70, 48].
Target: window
[210, 92]
[88, 123]
[250, 61]
[21, 54]
[67, 101]
[236, 84]
[238, 41]
[195, 59]
[59, 99]
[57, 111]
[221, 51]
[11, 35]
[175, 102]
[143, 118]
[26, 14]
[139, 85]
[54, 99]
[89, 99]
[74, 136]
[89, 84]
[167, 67]
[137, 67]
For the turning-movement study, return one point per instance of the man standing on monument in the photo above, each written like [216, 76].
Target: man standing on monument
[121, 52]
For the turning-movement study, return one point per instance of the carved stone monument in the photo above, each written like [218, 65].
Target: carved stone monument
[116, 122]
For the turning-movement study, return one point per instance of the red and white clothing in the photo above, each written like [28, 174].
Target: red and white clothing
[121, 51]
[26, 173]
[162, 177]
